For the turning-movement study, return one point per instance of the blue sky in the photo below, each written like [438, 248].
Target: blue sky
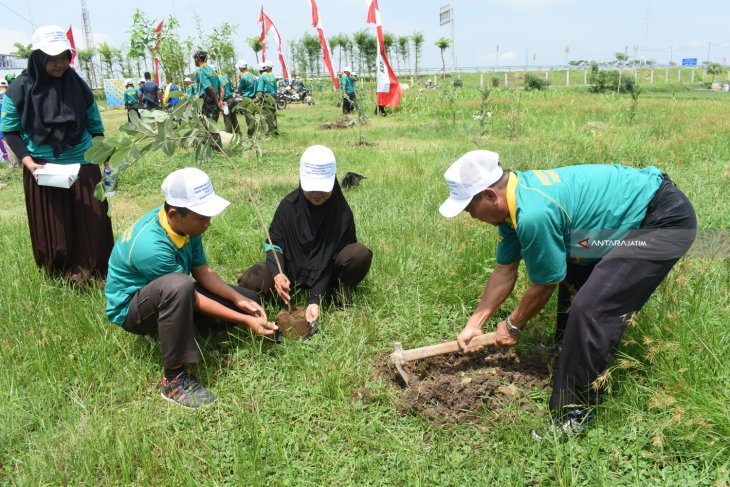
[542, 29]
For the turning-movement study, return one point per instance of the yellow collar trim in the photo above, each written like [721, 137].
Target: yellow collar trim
[178, 240]
[512, 199]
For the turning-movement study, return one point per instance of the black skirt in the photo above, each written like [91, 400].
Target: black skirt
[70, 231]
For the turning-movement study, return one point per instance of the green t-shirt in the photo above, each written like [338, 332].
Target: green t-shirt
[191, 91]
[145, 251]
[75, 155]
[552, 207]
[227, 86]
[130, 96]
[206, 77]
[347, 85]
[247, 85]
[266, 84]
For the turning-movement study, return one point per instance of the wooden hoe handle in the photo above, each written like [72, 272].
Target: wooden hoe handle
[486, 339]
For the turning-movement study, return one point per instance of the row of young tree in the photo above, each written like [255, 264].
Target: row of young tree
[175, 52]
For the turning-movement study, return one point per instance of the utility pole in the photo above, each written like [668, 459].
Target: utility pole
[89, 40]
[496, 58]
[567, 51]
[526, 59]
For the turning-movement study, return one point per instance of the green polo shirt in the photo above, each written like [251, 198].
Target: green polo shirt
[347, 85]
[227, 86]
[266, 84]
[75, 155]
[191, 91]
[130, 96]
[247, 85]
[206, 77]
[147, 250]
[547, 206]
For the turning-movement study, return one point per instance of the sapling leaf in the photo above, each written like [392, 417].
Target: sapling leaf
[99, 191]
[119, 156]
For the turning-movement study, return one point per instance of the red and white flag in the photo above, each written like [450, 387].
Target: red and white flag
[70, 37]
[158, 33]
[317, 24]
[388, 89]
[266, 25]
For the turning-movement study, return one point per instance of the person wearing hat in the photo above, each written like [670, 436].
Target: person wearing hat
[265, 95]
[50, 115]
[230, 120]
[190, 91]
[247, 90]
[313, 234]
[553, 219]
[149, 290]
[347, 90]
[207, 85]
[131, 98]
[150, 92]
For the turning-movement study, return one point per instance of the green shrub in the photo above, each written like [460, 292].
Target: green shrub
[602, 81]
[533, 82]
[495, 81]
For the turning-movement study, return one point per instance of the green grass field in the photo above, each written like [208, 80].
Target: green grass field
[79, 397]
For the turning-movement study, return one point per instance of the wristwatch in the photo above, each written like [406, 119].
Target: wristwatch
[512, 329]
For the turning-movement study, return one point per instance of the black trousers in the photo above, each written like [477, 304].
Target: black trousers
[348, 103]
[350, 268]
[607, 294]
[166, 308]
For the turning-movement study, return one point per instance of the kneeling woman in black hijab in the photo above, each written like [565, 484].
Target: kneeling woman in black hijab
[49, 115]
[313, 234]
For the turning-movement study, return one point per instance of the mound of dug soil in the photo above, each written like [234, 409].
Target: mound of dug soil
[293, 325]
[457, 387]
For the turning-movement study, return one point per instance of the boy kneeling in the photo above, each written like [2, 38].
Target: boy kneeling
[149, 291]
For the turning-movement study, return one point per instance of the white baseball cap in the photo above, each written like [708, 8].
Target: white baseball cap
[241, 64]
[187, 78]
[261, 66]
[471, 174]
[3, 82]
[268, 64]
[317, 169]
[128, 82]
[142, 80]
[191, 188]
[50, 39]
[347, 69]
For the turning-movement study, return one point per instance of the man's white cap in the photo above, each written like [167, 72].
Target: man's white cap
[191, 188]
[142, 80]
[268, 64]
[472, 173]
[187, 78]
[3, 82]
[50, 39]
[242, 64]
[318, 169]
[128, 82]
[347, 69]
[261, 66]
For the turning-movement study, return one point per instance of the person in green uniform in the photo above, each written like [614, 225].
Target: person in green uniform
[230, 120]
[131, 98]
[347, 90]
[149, 290]
[207, 85]
[265, 96]
[190, 91]
[247, 90]
[579, 228]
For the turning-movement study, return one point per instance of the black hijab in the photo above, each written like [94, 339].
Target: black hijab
[311, 236]
[53, 110]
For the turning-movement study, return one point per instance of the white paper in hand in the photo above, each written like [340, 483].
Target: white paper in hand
[57, 175]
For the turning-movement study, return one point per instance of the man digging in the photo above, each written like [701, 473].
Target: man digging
[542, 217]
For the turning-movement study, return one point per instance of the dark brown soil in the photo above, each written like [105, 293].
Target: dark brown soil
[458, 387]
[294, 325]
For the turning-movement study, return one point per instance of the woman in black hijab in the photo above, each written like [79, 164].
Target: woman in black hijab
[50, 115]
[313, 235]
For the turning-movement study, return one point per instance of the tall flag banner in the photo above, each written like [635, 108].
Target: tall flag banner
[317, 24]
[158, 33]
[266, 25]
[70, 37]
[388, 89]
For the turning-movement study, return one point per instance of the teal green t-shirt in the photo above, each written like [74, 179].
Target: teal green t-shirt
[266, 84]
[75, 155]
[190, 91]
[347, 85]
[247, 85]
[145, 251]
[206, 77]
[551, 205]
[130, 96]
[227, 86]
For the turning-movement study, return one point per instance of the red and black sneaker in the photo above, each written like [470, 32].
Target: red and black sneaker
[185, 391]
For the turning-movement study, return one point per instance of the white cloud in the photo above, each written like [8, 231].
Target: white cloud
[9, 36]
[508, 56]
